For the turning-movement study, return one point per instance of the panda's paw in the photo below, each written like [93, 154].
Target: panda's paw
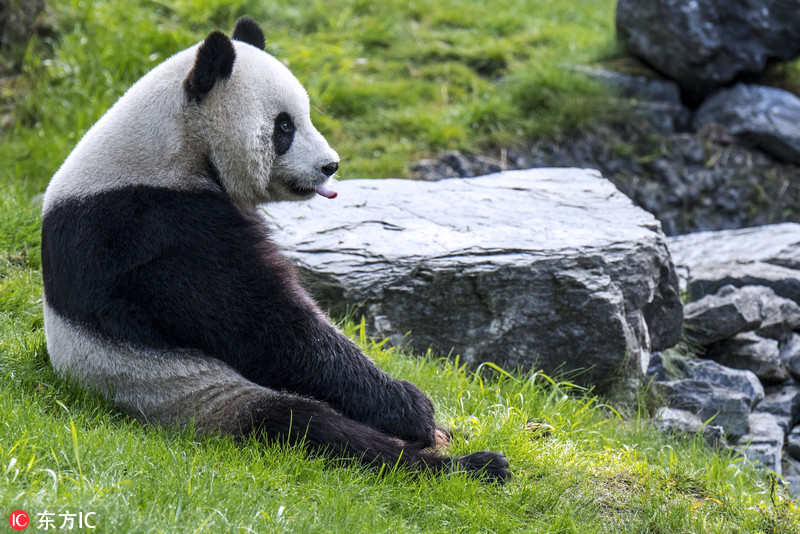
[442, 437]
[489, 465]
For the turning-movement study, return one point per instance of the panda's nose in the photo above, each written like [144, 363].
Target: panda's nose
[330, 168]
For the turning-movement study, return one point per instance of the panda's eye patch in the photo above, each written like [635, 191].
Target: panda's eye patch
[283, 133]
[284, 123]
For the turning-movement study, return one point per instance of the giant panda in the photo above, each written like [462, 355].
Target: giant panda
[163, 290]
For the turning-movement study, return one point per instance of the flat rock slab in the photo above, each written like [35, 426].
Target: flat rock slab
[552, 269]
[760, 256]
[776, 244]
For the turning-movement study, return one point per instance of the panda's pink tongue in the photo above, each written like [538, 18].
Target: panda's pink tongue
[325, 192]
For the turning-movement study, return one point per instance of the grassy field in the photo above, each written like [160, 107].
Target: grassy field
[390, 82]
[64, 451]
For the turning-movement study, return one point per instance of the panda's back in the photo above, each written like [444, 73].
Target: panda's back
[138, 141]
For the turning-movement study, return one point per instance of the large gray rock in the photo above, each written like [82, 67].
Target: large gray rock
[753, 353]
[707, 44]
[708, 278]
[546, 268]
[765, 256]
[776, 244]
[725, 407]
[766, 117]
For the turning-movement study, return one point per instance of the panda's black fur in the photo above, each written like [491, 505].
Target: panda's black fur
[171, 298]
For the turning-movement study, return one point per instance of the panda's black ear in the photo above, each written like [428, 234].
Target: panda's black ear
[248, 31]
[214, 61]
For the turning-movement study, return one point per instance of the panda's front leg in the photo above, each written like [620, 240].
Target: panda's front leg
[336, 371]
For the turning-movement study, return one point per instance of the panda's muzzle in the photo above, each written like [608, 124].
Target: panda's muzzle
[301, 191]
[307, 191]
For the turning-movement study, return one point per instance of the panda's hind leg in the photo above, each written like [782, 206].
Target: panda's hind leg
[284, 417]
[177, 387]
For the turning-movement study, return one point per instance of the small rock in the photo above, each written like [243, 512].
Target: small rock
[641, 87]
[791, 467]
[790, 354]
[764, 441]
[656, 369]
[764, 116]
[793, 445]
[779, 316]
[722, 315]
[793, 484]
[733, 310]
[753, 353]
[725, 407]
[791, 474]
[684, 422]
[715, 436]
[655, 100]
[726, 377]
[766, 454]
[764, 428]
[783, 402]
[675, 420]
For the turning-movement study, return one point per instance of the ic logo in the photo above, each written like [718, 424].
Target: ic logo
[19, 520]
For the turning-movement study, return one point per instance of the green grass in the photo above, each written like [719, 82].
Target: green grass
[390, 82]
[65, 450]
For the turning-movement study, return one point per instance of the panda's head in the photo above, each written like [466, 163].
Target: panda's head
[252, 118]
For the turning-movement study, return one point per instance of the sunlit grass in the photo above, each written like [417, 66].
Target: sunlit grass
[390, 82]
[598, 471]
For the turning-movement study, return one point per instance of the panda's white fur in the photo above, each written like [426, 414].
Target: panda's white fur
[149, 137]
[164, 292]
